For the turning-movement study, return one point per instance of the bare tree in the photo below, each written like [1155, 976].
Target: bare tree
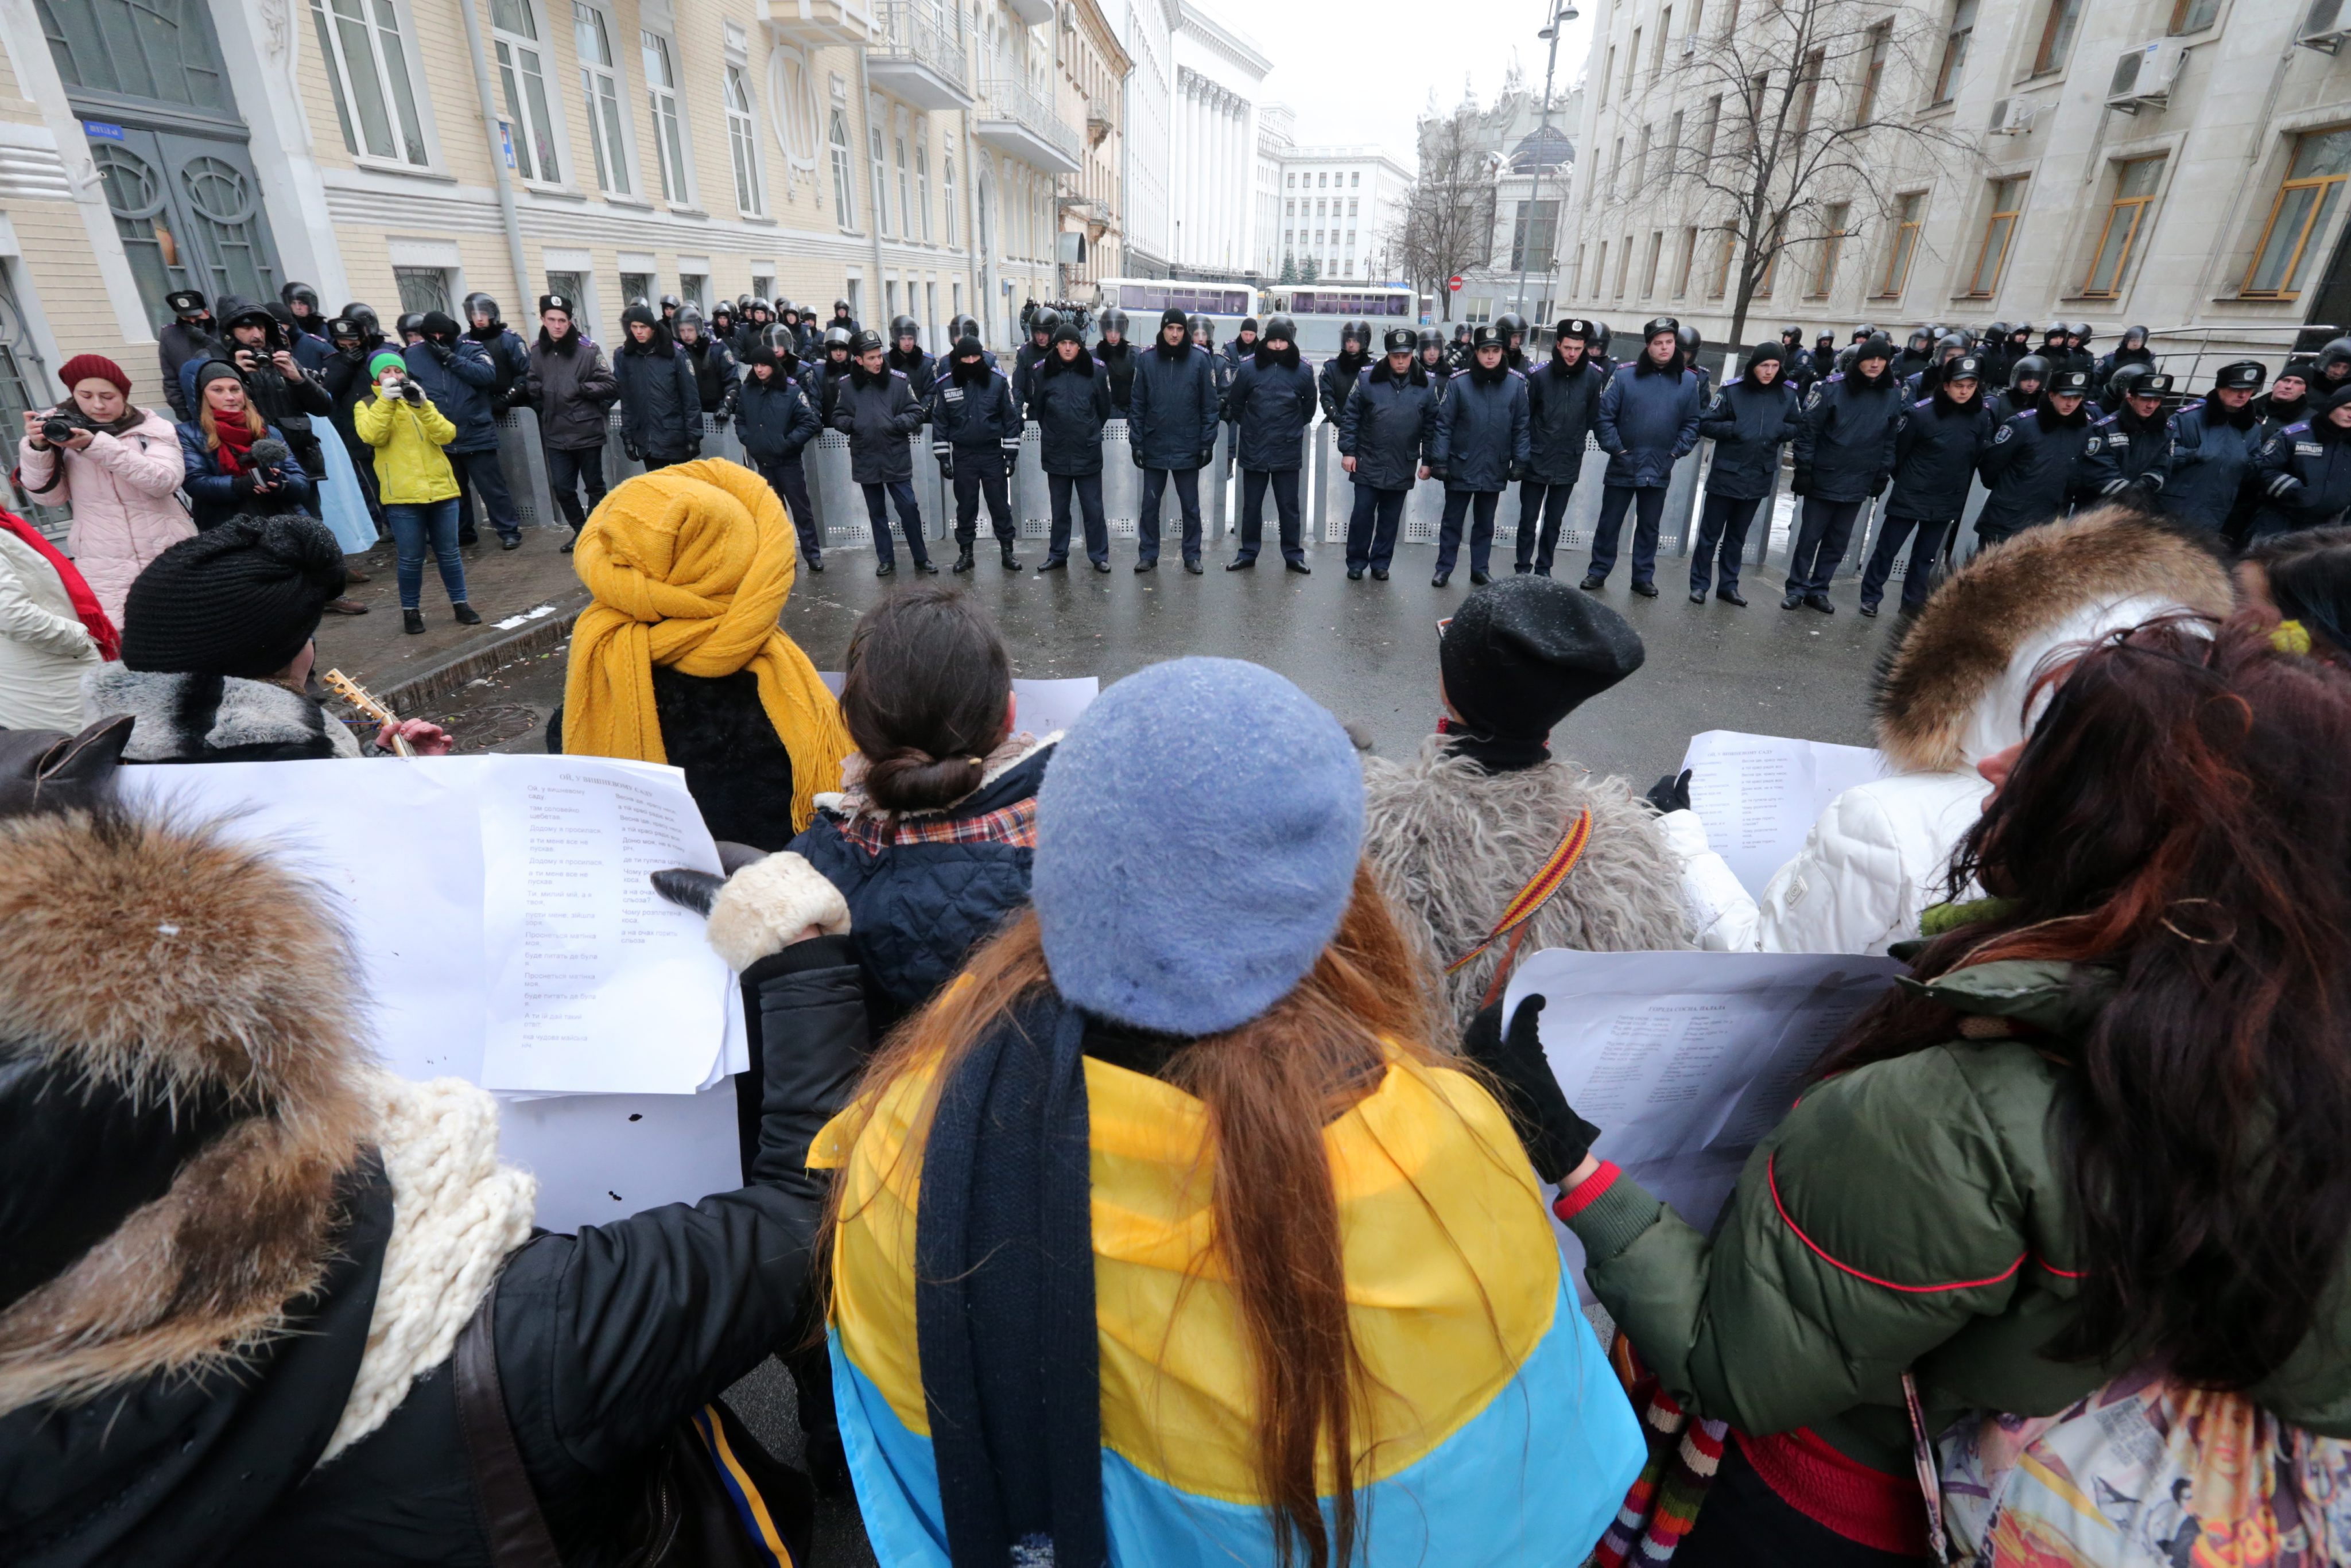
[1795, 125]
[1448, 225]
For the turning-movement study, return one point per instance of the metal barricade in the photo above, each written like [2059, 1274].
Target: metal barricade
[1121, 482]
[1334, 488]
[620, 465]
[1032, 501]
[1217, 487]
[1423, 513]
[934, 491]
[720, 440]
[523, 461]
[839, 504]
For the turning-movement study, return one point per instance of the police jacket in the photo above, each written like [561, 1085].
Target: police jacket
[1172, 416]
[775, 418]
[2213, 455]
[2026, 468]
[1935, 445]
[509, 356]
[1388, 425]
[822, 382]
[920, 369]
[573, 389]
[715, 375]
[1483, 429]
[1117, 361]
[458, 377]
[1069, 402]
[878, 413]
[1024, 366]
[1335, 383]
[1748, 423]
[175, 345]
[2123, 452]
[1562, 406]
[1225, 364]
[2304, 477]
[1647, 423]
[660, 407]
[1272, 400]
[1844, 446]
[1440, 374]
[972, 412]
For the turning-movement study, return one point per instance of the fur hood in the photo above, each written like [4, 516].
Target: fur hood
[213, 719]
[1954, 689]
[161, 965]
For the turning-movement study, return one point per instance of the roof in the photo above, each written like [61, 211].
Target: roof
[1544, 147]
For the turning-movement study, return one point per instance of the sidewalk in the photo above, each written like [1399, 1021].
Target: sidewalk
[526, 598]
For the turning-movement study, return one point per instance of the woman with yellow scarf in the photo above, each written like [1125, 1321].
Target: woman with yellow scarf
[678, 657]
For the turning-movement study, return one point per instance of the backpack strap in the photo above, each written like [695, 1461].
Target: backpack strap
[512, 1526]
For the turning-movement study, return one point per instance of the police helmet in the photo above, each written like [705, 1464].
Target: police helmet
[1996, 332]
[2069, 383]
[1115, 321]
[836, 337]
[779, 341]
[2337, 352]
[1432, 337]
[1966, 368]
[903, 327]
[722, 311]
[1864, 332]
[1600, 342]
[688, 316]
[2243, 375]
[671, 302]
[2030, 367]
[1690, 341]
[1203, 328]
[1920, 341]
[1359, 330]
[742, 303]
[759, 304]
[1044, 320]
[840, 307]
[1937, 330]
[1281, 327]
[1661, 324]
[2021, 329]
[962, 326]
[1509, 323]
[1488, 336]
[1792, 331]
[2081, 329]
[1948, 345]
[1402, 341]
[2126, 379]
[2134, 337]
[865, 342]
[409, 321]
[363, 317]
[302, 293]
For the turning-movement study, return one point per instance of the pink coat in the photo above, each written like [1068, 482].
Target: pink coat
[125, 509]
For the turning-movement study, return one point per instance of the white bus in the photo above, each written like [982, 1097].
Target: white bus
[1320, 309]
[1144, 299]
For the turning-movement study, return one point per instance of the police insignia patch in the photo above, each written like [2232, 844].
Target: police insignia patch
[2005, 432]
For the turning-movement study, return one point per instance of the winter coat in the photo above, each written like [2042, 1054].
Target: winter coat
[1069, 403]
[661, 406]
[44, 647]
[877, 413]
[1335, 383]
[2302, 477]
[411, 468]
[975, 416]
[822, 381]
[1935, 445]
[715, 375]
[1748, 423]
[1482, 436]
[716, 731]
[1025, 361]
[1171, 418]
[2028, 467]
[175, 346]
[775, 419]
[344, 377]
[332, 1435]
[213, 718]
[1845, 445]
[1272, 400]
[1647, 423]
[2212, 459]
[1389, 426]
[509, 356]
[920, 369]
[2123, 454]
[124, 491]
[460, 388]
[1563, 409]
[1118, 360]
[290, 405]
[572, 393]
[215, 495]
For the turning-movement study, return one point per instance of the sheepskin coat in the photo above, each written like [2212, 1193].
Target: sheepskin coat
[1452, 844]
[213, 718]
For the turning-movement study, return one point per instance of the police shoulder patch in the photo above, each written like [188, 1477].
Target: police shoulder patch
[2005, 432]
[2091, 446]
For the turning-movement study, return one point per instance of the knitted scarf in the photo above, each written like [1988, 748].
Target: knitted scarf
[85, 603]
[1004, 1300]
[236, 439]
[689, 567]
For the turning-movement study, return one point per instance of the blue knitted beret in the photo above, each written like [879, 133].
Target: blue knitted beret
[1197, 834]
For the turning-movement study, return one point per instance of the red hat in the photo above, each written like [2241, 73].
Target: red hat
[83, 367]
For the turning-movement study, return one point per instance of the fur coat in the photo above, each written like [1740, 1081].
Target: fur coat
[1452, 844]
[213, 719]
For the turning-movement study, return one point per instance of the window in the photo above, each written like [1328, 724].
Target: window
[1610, 75]
[694, 289]
[855, 292]
[890, 299]
[423, 289]
[1909, 211]
[1356, 179]
[947, 191]
[660, 94]
[763, 286]
[1713, 124]
[791, 94]
[1719, 285]
[880, 171]
[1632, 60]
[1616, 168]
[1807, 88]
[905, 185]
[923, 183]
[1649, 264]
[1289, 182]
[931, 305]
[1624, 264]
[1641, 164]
[1833, 235]
[1575, 275]
[1323, 179]
[636, 289]
[1689, 259]
[600, 85]
[844, 194]
[743, 145]
[367, 65]
[522, 76]
[2312, 191]
[2057, 35]
[1955, 50]
[1665, 31]
[1672, 145]
[2193, 16]
[1872, 70]
[2133, 194]
[1600, 273]
[2000, 227]
[573, 285]
[1351, 206]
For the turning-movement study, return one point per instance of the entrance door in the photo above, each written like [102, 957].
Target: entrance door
[23, 380]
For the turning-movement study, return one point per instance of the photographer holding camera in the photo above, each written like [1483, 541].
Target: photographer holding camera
[234, 462]
[417, 482]
[116, 465]
[276, 385]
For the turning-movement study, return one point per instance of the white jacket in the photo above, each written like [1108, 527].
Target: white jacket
[43, 646]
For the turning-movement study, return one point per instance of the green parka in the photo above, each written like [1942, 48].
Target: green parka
[1911, 1215]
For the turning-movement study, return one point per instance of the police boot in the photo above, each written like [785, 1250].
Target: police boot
[1011, 561]
[962, 557]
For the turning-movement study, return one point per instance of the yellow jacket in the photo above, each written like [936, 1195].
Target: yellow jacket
[411, 469]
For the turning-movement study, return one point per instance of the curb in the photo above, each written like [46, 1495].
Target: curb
[438, 682]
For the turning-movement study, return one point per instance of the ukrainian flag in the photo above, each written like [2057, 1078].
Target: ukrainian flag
[1497, 1433]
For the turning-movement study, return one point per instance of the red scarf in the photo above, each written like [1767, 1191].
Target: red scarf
[85, 602]
[236, 439]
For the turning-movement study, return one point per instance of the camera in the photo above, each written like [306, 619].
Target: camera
[57, 426]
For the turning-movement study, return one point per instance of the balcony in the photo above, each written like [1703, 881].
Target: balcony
[1021, 124]
[1035, 13]
[819, 24]
[919, 57]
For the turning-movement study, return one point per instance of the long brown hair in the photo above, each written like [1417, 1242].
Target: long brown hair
[1268, 1087]
[2181, 817]
[205, 422]
[925, 696]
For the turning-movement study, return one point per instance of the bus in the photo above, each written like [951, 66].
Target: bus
[1144, 299]
[1320, 309]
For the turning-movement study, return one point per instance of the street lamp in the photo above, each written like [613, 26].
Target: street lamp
[1565, 13]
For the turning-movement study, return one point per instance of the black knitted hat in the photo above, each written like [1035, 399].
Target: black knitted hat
[239, 599]
[1523, 654]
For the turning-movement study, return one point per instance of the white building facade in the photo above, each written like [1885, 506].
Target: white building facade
[1339, 208]
[1219, 82]
[1146, 30]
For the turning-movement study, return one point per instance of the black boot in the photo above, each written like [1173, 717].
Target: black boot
[887, 568]
[411, 621]
[962, 559]
[928, 568]
[466, 613]
[1011, 561]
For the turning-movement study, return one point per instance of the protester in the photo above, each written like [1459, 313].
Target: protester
[1479, 449]
[1387, 431]
[1317, 1208]
[660, 404]
[777, 422]
[53, 630]
[234, 463]
[1562, 407]
[2214, 442]
[1755, 415]
[1270, 403]
[286, 396]
[1069, 397]
[976, 438]
[217, 651]
[189, 335]
[2302, 474]
[569, 382]
[419, 489]
[2090, 1142]
[678, 659]
[119, 470]
[1938, 440]
[457, 375]
[875, 408]
[1172, 433]
[1647, 423]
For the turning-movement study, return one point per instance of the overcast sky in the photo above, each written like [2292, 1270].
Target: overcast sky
[1360, 70]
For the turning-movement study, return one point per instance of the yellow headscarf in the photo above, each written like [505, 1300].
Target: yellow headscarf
[690, 567]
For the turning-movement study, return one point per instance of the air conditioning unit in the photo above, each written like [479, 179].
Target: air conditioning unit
[1689, 41]
[2011, 117]
[2326, 25]
[2143, 75]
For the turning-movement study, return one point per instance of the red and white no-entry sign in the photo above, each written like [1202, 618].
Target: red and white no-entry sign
[1454, 284]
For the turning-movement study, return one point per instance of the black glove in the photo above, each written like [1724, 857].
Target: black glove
[1517, 471]
[636, 454]
[947, 462]
[1556, 1138]
[2151, 482]
[1208, 457]
[441, 351]
[1801, 485]
[1671, 793]
[693, 450]
[1877, 485]
[243, 484]
[1011, 446]
[1436, 472]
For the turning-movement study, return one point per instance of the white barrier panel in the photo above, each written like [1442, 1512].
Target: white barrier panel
[524, 464]
[1032, 500]
[720, 440]
[1121, 483]
[1334, 487]
[1423, 513]
[934, 491]
[839, 504]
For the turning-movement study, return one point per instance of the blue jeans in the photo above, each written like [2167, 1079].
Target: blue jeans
[414, 528]
[1648, 505]
[1371, 528]
[910, 519]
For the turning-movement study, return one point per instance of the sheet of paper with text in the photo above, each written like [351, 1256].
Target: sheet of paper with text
[1759, 795]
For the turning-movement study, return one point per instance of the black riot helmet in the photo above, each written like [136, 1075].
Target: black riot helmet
[409, 321]
[1600, 339]
[839, 308]
[1042, 323]
[962, 326]
[1690, 341]
[1791, 334]
[757, 306]
[2134, 337]
[363, 317]
[687, 316]
[1431, 337]
[480, 304]
[2021, 334]
[2083, 330]
[1513, 328]
[1949, 347]
[2334, 360]
[779, 343]
[1862, 334]
[836, 337]
[1921, 342]
[671, 302]
[295, 294]
[1359, 330]
[1996, 333]
[1115, 321]
[864, 343]
[904, 327]
[2030, 368]
[1281, 327]
[1204, 331]
[2125, 379]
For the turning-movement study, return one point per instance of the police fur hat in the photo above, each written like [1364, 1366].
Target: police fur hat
[2243, 375]
[548, 302]
[1401, 340]
[1661, 324]
[1574, 327]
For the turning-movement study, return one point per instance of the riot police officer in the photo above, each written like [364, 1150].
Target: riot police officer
[1335, 381]
[1513, 328]
[1271, 402]
[1845, 456]
[1936, 442]
[2214, 444]
[2129, 450]
[1647, 423]
[1172, 430]
[2027, 374]
[976, 437]
[1116, 357]
[907, 358]
[1433, 360]
[2303, 472]
[1754, 417]
[1562, 405]
[1042, 321]
[2031, 460]
[1481, 448]
[1387, 429]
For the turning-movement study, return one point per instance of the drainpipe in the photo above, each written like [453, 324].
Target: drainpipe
[525, 293]
[873, 181]
[979, 311]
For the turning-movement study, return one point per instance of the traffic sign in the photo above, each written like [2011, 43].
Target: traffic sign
[1454, 283]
